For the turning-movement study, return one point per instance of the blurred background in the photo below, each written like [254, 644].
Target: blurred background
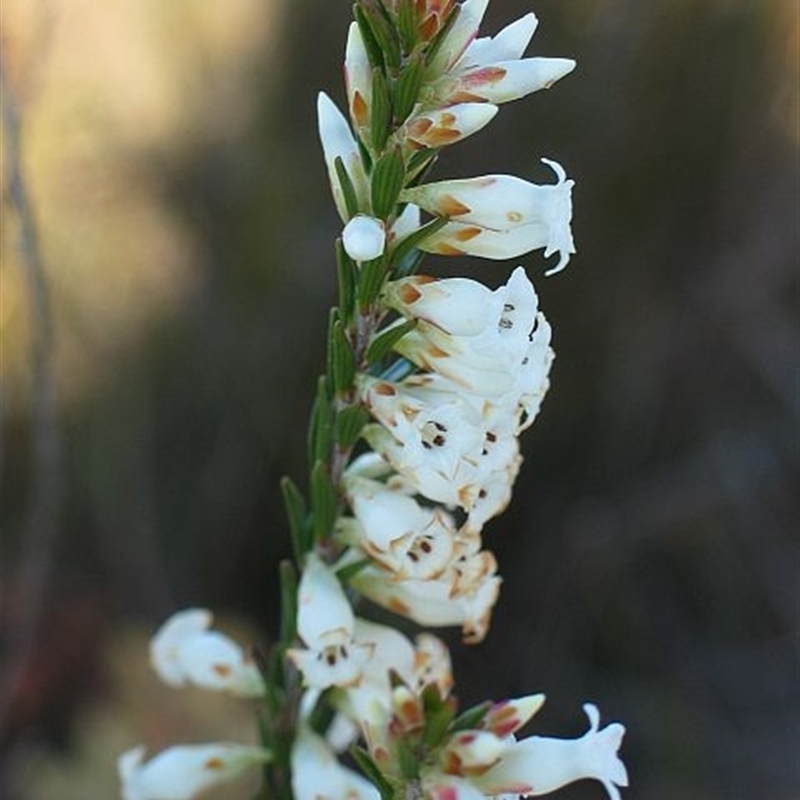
[166, 272]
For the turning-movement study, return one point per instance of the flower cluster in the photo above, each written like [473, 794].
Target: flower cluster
[414, 447]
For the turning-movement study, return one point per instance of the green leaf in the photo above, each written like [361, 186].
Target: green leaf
[348, 425]
[383, 30]
[347, 273]
[388, 338]
[387, 181]
[343, 362]
[297, 512]
[370, 283]
[320, 429]
[372, 772]
[407, 24]
[288, 579]
[374, 52]
[407, 87]
[320, 718]
[347, 573]
[406, 757]
[325, 500]
[408, 243]
[380, 112]
[421, 160]
[471, 718]
[437, 724]
[348, 190]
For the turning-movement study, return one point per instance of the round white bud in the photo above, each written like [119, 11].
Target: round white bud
[364, 238]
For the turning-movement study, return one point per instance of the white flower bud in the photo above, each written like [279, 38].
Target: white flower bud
[364, 238]
[181, 772]
[184, 650]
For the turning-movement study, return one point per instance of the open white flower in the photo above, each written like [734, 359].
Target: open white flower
[433, 602]
[184, 650]
[539, 765]
[491, 68]
[458, 38]
[318, 775]
[437, 427]
[479, 339]
[325, 623]
[499, 216]
[181, 772]
[397, 531]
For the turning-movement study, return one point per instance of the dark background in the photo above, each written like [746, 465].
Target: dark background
[649, 556]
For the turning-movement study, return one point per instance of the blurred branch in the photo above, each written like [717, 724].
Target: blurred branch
[41, 525]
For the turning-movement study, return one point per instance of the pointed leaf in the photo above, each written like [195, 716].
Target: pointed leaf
[387, 339]
[349, 424]
[382, 29]
[471, 718]
[347, 273]
[325, 500]
[387, 181]
[297, 512]
[407, 87]
[370, 42]
[348, 190]
[408, 243]
[288, 579]
[343, 366]
[371, 278]
[381, 111]
[372, 772]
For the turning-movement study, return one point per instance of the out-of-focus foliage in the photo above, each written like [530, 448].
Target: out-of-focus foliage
[649, 555]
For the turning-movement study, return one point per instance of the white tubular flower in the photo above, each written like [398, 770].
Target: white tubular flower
[493, 495]
[507, 45]
[493, 356]
[432, 664]
[539, 765]
[499, 216]
[317, 774]
[325, 623]
[395, 530]
[364, 237]
[459, 36]
[433, 603]
[458, 306]
[534, 379]
[358, 77]
[185, 651]
[492, 69]
[369, 704]
[338, 142]
[181, 772]
[441, 127]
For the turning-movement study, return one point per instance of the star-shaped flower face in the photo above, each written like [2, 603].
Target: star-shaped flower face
[325, 623]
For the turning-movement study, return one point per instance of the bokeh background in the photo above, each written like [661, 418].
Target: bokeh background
[166, 270]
